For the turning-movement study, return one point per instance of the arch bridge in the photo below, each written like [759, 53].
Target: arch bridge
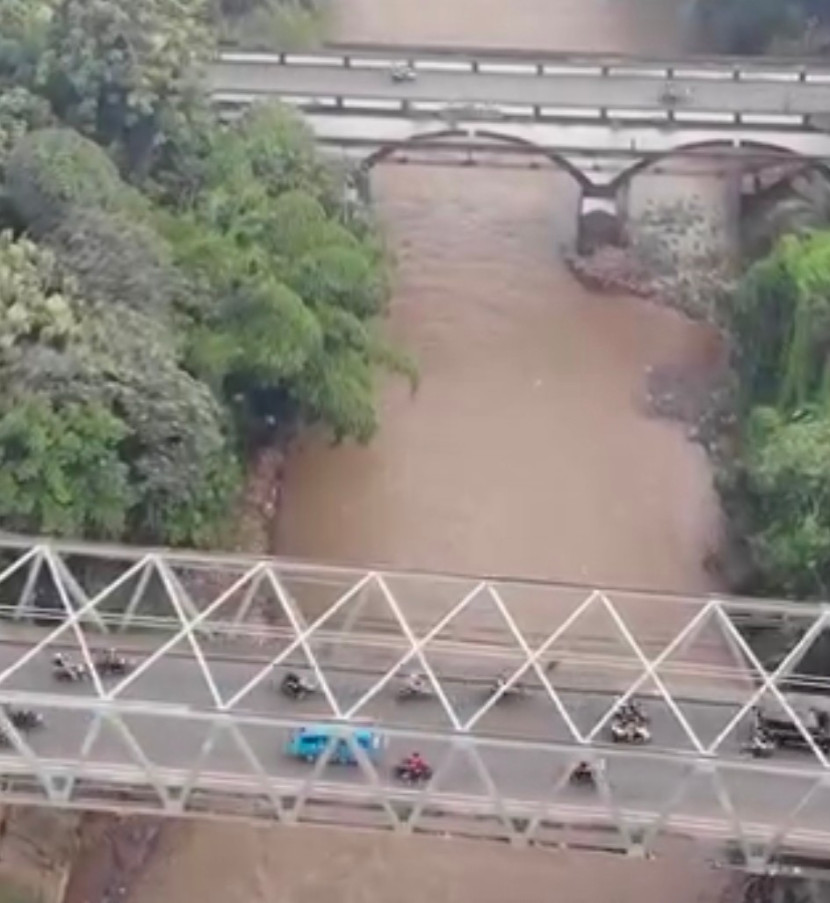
[602, 119]
[197, 725]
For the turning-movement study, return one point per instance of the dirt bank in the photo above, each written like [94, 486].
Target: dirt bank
[316, 866]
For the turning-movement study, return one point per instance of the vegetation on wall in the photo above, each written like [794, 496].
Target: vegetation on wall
[778, 487]
[273, 24]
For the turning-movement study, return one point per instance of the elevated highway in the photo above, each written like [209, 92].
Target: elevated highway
[198, 726]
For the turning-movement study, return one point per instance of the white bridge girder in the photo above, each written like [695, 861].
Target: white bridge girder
[199, 727]
[601, 154]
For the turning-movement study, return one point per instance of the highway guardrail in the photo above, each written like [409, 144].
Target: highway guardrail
[496, 63]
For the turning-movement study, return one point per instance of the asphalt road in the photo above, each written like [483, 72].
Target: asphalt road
[564, 88]
[517, 741]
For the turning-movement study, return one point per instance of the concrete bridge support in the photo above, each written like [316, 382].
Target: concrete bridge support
[601, 218]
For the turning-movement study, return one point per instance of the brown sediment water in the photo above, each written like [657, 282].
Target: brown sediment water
[527, 450]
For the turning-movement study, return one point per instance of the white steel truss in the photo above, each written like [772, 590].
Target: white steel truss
[198, 725]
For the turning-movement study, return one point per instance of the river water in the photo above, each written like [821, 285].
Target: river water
[527, 449]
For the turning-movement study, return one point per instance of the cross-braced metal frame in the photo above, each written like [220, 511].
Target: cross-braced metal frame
[198, 724]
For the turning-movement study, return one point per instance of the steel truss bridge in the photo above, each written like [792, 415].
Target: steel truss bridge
[198, 726]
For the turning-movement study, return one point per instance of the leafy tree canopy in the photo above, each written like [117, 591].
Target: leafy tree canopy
[60, 469]
[783, 486]
[115, 69]
[52, 170]
[116, 259]
[189, 275]
[781, 323]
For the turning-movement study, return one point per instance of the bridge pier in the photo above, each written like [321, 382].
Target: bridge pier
[601, 218]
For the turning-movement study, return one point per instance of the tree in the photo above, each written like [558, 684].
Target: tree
[293, 284]
[272, 24]
[20, 112]
[783, 483]
[115, 69]
[52, 170]
[37, 304]
[780, 321]
[115, 259]
[181, 464]
[78, 356]
[340, 277]
[272, 145]
[24, 29]
[60, 470]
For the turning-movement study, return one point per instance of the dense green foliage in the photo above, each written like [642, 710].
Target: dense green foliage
[193, 285]
[779, 489]
[272, 24]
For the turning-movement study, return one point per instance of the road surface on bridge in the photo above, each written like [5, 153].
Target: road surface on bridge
[524, 744]
[557, 88]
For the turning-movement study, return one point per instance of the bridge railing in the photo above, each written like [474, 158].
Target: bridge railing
[148, 759]
[515, 62]
[471, 114]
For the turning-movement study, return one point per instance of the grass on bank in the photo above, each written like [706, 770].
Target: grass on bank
[277, 25]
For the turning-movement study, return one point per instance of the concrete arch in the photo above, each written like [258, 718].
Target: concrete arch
[560, 160]
[781, 150]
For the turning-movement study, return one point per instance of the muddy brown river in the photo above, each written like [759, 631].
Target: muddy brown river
[527, 449]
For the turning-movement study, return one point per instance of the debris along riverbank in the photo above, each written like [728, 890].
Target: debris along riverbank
[112, 854]
[676, 257]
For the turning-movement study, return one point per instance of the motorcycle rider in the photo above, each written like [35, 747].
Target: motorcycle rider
[583, 772]
[760, 743]
[417, 683]
[632, 711]
[402, 72]
[415, 764]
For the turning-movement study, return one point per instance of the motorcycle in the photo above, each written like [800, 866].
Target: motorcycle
[402, 72]
[66, 671]
[416, 687]
[633, 713]
[583, 775]
[514, 691]
[671, 95]
[410, 773]
[111, 664]
[624, 730]
[24, 719]
[760, 746]
[294, 686]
